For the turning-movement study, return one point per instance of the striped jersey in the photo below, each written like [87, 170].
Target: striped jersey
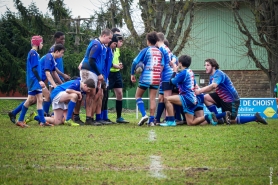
[185, 82]
[153, 60]
[167, 70]
[225, 89]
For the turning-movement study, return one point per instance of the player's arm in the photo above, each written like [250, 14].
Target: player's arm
[80, 65]
[207, 88]
[49, 78]
[70, 91]
[65, 76]
[137, 59]
[56, 76]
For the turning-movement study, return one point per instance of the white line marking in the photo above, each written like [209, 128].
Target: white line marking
[152, 135]
[156, 168]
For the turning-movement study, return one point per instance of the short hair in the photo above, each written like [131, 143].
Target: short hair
[58, 47]
[212, 62]
[114, 39]
[161, 36]
[152, 37]
[106, 32]
[185, 60]
[166, 42]
[115, 30]
[90, 83]
[58, 34]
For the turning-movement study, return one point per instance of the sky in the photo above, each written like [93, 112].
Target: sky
[84, 9]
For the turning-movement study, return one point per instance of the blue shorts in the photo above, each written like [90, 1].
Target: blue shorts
[200, 102]
[35, 92]
[188, 106]
[146, 86]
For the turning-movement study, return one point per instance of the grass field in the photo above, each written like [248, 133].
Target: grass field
[128, 154]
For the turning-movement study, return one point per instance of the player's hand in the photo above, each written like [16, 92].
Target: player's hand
[66, 77]
[100, 78]
[121, 65]
[79, 95]
[42, 84]
[197, 91]
[132, 78]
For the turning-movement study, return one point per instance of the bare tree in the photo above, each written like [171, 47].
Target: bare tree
[173, 18]
[266, 22]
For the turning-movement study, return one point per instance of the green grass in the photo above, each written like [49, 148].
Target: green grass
[121, 154]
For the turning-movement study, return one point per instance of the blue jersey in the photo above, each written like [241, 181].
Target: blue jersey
[72, 84]
[153, 60]
[185, 81]
[225, 89]
[48, 63]
[32, 61]
[59, 61]
[167, 70]
[108, 64]
[97, 51]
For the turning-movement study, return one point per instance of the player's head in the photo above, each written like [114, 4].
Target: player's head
[37, 41]
[211, 65]
[116, 30]
[88, 85]
[113, 43]
[106, 36]
[166, 42]
[160, 36]
[212, 62]
[120, 40]
[59, 38]
[152, 38]
[185, 61]
[58, 51]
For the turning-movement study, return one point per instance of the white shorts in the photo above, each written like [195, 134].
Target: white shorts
[56, 104]
[85, 75]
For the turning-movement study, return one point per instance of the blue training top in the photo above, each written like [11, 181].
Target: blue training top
[108, 64]
[48, 63]
[32, 61]
[72, 84]
[97, 51]
[60, 63]
[225, 89]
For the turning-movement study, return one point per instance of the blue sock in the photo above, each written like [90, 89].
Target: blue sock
[101, 115]
[177, 112]
[71, 106]
[245, 119]
[37, 118]
[160, 109]
[221, 115]
[105, 114]
[46, 105]
[182, 113]
[212, 108]
[141, 107]
[206, 118]
[98, 117]
[151, 119]
[18, 109]
[41, 116]
[170, 118]
[22, 114]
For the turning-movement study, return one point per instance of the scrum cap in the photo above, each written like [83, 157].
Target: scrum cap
[36, 40]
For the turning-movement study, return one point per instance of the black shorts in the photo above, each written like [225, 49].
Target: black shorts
[226, 106]
[175, 89]
[115, 80]
[166, 86]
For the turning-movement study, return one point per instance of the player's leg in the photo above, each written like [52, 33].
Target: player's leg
[138, 96]
[20, 121]
[152, 95]
[169, 101]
